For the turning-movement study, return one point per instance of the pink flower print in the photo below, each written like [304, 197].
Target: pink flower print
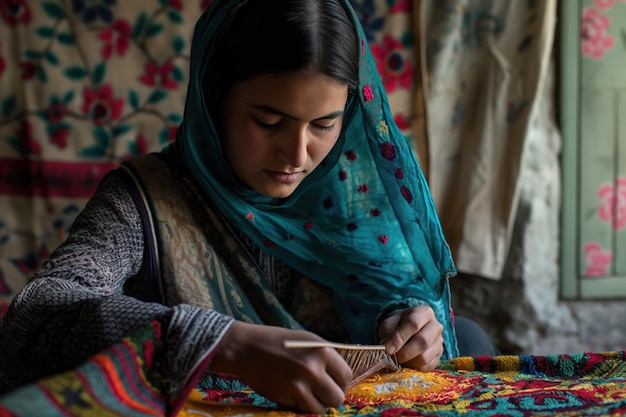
[402, 122]
[596, 259]
[29, 70]
[15, 11]
[401, 6]
[100, 105]
[604, 4]
[392, 63]
[607, 4]
[175, 4]
[613, 207]
[383, 239]
[56, 112]
[250, 216]
[363, 188]
[116, 38]
[595, 40]
[59, 136]
[159, 76]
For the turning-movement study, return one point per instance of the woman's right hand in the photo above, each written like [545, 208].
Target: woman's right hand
[309, 379]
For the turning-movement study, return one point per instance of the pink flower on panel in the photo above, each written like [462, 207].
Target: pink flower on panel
[607, 4]
[613, 207]
[597, 260]
[595, 40]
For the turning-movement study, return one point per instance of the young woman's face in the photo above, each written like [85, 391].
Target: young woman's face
[278, 128]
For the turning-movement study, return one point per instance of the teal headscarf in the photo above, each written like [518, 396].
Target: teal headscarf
[363, 223]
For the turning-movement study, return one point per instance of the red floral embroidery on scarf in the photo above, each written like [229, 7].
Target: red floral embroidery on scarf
[399, 173]
[291, 237]
[368, 94]
[375, 212]
[383, 239]
[269, 243]
[351, 156]
[352, 227]
[388, 151]
[250, 216]
[308, 225]
[363, 188]
[406, 193]
[342, 175]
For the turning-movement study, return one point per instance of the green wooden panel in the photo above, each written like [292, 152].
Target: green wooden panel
[569, 24]
[593, 123]
[603, 288]
[620, 125]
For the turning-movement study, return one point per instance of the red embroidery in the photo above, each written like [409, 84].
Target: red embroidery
[388, 151]
[406, 193]
[383, 239]
[399, 173]
[351, 156]
[250, 216]
[342, 175]
[308, 225]
[368, 94]
[363, 188]
[375, 212]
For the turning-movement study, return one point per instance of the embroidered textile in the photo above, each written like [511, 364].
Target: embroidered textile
[127, 380]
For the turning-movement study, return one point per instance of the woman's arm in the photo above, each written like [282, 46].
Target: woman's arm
[75, 306]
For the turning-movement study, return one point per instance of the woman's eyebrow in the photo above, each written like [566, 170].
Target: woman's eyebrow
[269, 109]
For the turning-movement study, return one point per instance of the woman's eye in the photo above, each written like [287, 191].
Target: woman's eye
[268, 126]
[323, 128]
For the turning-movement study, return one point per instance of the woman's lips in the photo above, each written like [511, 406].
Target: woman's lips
[285, 177]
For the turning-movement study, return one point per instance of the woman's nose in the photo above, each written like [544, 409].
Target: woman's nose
[294, 150]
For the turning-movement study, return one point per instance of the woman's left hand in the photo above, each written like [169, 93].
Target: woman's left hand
[414, 336]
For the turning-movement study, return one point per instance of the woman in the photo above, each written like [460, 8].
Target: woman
[289, 201]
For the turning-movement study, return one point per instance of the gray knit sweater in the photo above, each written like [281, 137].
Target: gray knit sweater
[94, 290]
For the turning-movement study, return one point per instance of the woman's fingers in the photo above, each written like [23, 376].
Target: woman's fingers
[414, 336]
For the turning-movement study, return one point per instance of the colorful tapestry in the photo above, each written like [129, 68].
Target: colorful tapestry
[130, 379]
[86, 84]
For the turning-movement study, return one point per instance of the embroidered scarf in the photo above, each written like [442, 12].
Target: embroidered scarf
[363, 223]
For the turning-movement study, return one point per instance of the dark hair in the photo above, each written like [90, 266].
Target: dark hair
[274, 36]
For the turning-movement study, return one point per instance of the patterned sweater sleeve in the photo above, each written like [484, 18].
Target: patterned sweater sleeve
[76, 305]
